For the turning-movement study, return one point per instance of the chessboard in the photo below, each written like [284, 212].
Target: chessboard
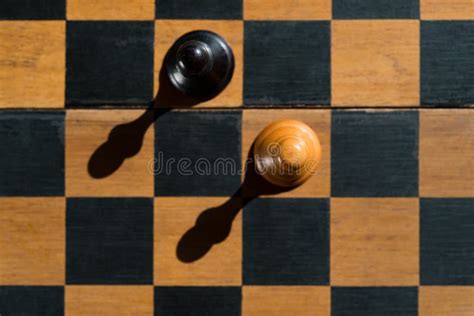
[104, 172]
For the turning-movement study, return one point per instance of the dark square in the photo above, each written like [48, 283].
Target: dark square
[286, 242]
[447, 241]
[447, 63]
[287, 63]
[202, 9]
[202, 150]
[374, 301]
[31, 300]
[376, 9]
[109, 63]
[374, 154]
[32, 9]
[109, 241]
[32, 159]
[188, 301]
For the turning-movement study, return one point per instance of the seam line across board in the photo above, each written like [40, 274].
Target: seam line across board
[269, 108]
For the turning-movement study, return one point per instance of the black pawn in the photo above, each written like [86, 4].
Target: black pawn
[200, 64]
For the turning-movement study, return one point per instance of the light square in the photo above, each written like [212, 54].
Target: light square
[110, 10]
[32, 241]
[446, 300]
[375, 63]
[254, 121]
[222, 265]
[109, 300]
[168, 31]
[286, 300]
[126, 133]
[447, 9]
[374, 242]
[446, 153]
[32, 64]
[287, 10]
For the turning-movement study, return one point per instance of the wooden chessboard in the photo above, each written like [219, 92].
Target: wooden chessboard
[103, 171]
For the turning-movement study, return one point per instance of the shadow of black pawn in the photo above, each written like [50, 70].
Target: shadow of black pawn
[126, 140]
[214, 225]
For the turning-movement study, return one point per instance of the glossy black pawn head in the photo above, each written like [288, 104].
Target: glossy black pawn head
[200, 64]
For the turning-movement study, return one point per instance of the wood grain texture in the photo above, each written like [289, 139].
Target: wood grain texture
[222, 265]
[446, 241]
[254, 121]
[32, 10]
[32, 300]
[209, 143]
[32, 73]
[286, 242]
[110, 10]
[32, 159]
[109, 63]
[447, 153]
[86, 130]
[202, 9]
[375, 9]
[287, 63]
[374, 301]
[109, 241]
[32, 241]
[374, 153]
[109, 300]
[447, 56]
[287, 10]
[203, 300]
[286, 300]
[375, 63]
[374, 242]
[168, 31]
[446, 301]
[447, 9]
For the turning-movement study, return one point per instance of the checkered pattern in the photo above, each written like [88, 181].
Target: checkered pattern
[363, 53]
[384, 228]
